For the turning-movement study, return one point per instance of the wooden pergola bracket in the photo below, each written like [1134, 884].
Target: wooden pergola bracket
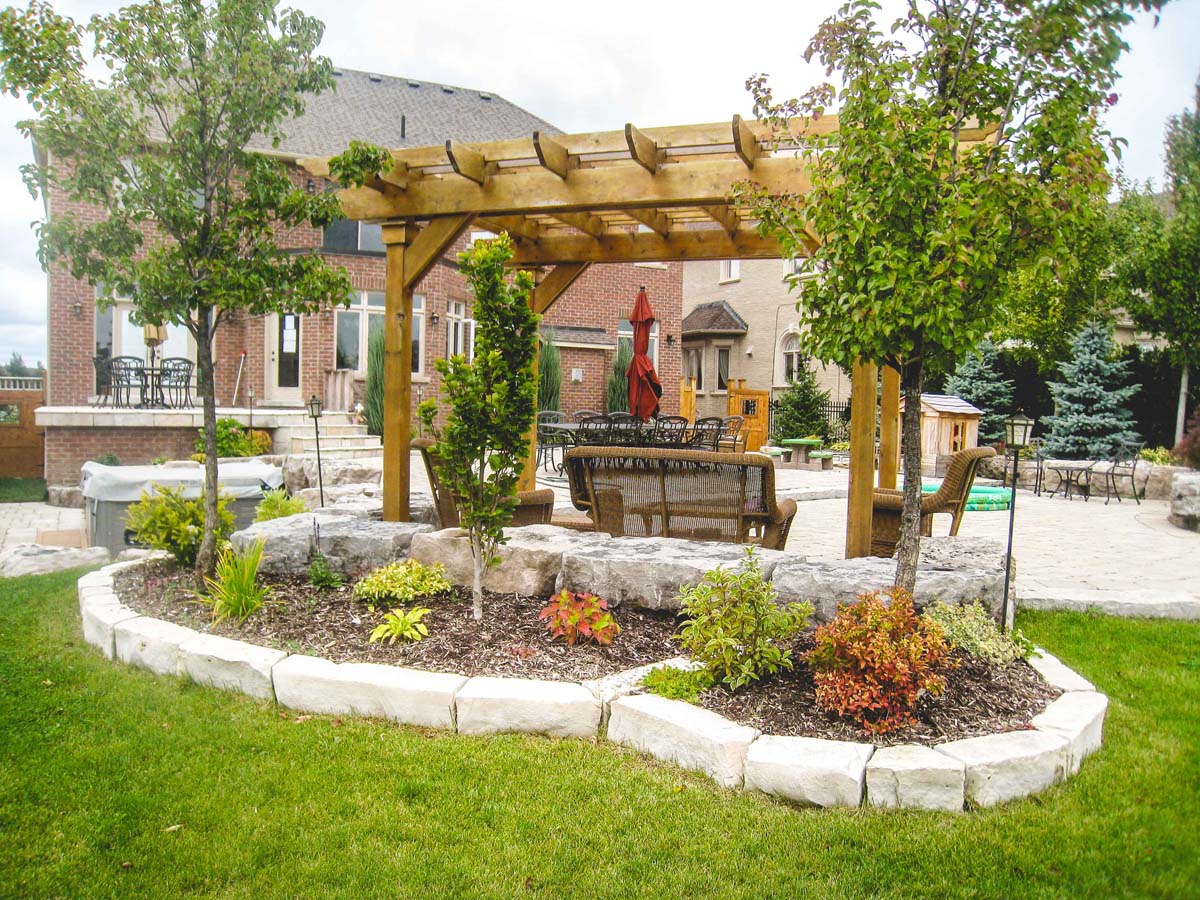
[551, 154]
[745, 142]
[643, 149]
[467, 162]
[723, 216]
[653, 219]
[589, 225]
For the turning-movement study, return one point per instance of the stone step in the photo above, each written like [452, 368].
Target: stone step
[337, 442]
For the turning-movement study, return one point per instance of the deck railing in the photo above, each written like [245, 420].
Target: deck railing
[20, 383]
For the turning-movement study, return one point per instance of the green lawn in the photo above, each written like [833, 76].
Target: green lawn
[22, 490]
[98, 762]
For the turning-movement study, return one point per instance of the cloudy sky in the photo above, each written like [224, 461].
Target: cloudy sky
[595, 69]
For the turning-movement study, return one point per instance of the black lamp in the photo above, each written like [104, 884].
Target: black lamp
[1017, 431]
[314, 412]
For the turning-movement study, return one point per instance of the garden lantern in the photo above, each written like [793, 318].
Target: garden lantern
[314, 411]
[1017, 431]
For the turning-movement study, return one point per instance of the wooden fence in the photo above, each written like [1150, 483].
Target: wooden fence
[22, 442]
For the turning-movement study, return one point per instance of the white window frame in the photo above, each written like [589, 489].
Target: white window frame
[625, 333]
[121, 310]
[729, 270]
[698, 351]
[360, 306]
[460, 330]
[718, 349]
[781, 379]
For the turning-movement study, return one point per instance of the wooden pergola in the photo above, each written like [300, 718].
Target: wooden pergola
[637, 195]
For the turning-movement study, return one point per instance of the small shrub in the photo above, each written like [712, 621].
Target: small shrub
[234, 439]
[1158, 456]
[166, 520]
[260, 443]
[970, 628]
[402, 625]
[277, 504]
[677, 684]
[158, 460]
[234, 590]
[1188, 449]
[107, 459]
[874, 660]
[402, 582]
[735, 626]
[320, 575]
[574, 616]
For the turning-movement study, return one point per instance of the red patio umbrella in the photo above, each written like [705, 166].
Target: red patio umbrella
[644, 386]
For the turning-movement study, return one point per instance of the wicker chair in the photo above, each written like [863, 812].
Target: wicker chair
[533, 507]
[690, 494]
[950, 498]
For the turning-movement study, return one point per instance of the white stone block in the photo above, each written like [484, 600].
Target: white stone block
[1055, 674]
[96, 595]
[910, 776]
[98, 578]
[410, 696]
[151, 644]
[1077, 716]
[812, 771]
[681, 733]
[558, 708]
[1003, 767]
[100, 616]
[229, 665]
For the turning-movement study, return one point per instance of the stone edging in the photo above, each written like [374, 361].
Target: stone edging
[977, 771]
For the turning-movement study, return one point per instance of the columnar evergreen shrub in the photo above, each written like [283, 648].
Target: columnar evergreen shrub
[549, 376]
[1092, 419]
[979, 380]
[801, 409]
[617, 398]
[373, 410]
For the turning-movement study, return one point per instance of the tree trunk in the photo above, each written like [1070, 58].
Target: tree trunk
[206, 558]
[477, 581]
[1181, 414]
[907, 551]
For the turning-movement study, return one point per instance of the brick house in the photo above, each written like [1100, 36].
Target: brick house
[285, 358]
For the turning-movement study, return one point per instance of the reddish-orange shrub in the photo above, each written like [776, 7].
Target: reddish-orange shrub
[574, 616]
[874, 659]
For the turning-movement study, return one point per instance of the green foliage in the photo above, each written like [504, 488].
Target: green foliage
[1092, 420]
[359, 163]
[1188, 449]
[402, 582]
[801, 410]
[166, 520]
[22, 490]
[549, 376]
[573, 616]
[734, 625]
[373, 410]
[1158, 456]
[234, 439]
[979, 381]
[677, 684]
[234, 590]
[277, 504]
[617, 392]
[403, 625]
[875, 659]
[972, 629]
[321, 576]
[481, 450]
[107, 459]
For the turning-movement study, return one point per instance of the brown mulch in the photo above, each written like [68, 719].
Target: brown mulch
[979, 698]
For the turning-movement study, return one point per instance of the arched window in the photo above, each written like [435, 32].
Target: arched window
[792, 358]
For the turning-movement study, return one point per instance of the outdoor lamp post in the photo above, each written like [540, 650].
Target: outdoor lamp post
[250, 391]
[314, 411]
[1017, 430]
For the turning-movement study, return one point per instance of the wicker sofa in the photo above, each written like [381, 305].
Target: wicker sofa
[693, 494]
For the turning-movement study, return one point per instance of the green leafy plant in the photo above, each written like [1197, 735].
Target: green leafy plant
[234, 439]
[277, 504]
[574, 616]
[617, 391]
[234, 590]
[401, 582]
[402, 625]
[321, 576]
[159, 460]
[970, 628]
[107, 459]
[549, 376]
[1158, 456]
[677, 684]
[876, 658]
[166, 520]
[735, 627]
[373, 410]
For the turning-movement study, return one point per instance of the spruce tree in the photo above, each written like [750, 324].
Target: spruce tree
[801, 409]
[1091, 420]
[978, 381]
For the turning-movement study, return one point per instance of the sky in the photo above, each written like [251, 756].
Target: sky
[592, 67]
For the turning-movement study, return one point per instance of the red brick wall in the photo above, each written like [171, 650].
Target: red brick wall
[69, 448]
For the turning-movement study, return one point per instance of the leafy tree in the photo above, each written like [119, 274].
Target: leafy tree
[482, 448]
[919, 212]
[1161, 258]
[617, 398]
[549, 376]
[190, 217]
[1091, 420]
[375, 365]
[978, 380]
[16, 367]
[801, 409]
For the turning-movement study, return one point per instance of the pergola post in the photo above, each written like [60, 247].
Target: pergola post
[889, 428]
[397, 373]
[862, 460]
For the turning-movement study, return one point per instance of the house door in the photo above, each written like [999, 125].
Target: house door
[755, 408]
[283, 359]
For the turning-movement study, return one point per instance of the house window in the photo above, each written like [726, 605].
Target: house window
[793, 360]
[722, 369]
[625, 334]
[118, 335]
[731, 270]
[349, 236]
[694, 366]
[363, 318]
[460, 331]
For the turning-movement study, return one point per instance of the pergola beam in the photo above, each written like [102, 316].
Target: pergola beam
[723, 216]
[589, 225]
[623, 246]
[551, 154]
[653, 219]
[518, 227]
[745, 142]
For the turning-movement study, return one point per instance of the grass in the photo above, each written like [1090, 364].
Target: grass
[100, 763]
[22, 490]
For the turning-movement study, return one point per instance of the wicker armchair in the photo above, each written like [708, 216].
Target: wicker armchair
[690, 494]
[533, 507]
[950, 498]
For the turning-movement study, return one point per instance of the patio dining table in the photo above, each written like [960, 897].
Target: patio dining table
[571, 430]
[1071, 474]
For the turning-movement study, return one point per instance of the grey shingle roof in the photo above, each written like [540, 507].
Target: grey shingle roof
[949, 403]
[717, 317]
[578, 334]
[371, 107]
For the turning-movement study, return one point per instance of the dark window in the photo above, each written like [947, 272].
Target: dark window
[341, 236]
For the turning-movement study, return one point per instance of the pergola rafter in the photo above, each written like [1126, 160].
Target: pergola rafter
[634, 195]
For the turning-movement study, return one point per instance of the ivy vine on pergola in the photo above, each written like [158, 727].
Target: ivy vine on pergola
[637, 195]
